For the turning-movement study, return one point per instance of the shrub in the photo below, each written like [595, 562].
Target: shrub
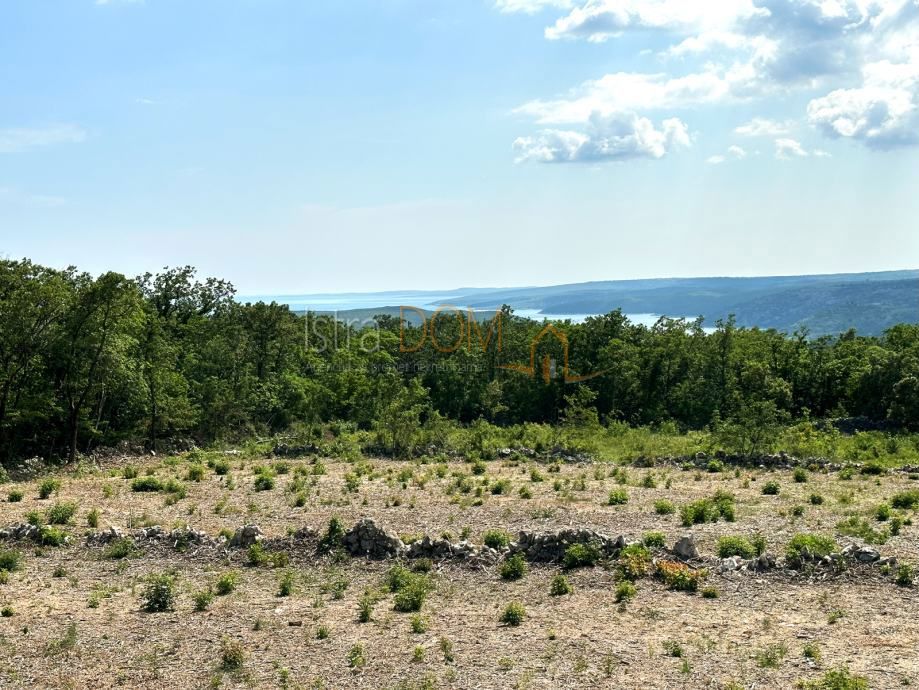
[52, 536]
[513, 614]
[721, 505]
[882, 514]
[221, 467]
[226, 583]
[905, 575]
[855, 526]
[735, 546]
[47, 487]
[502, 486]
[560, 586]
[232, 656]
[159, 594]
[10, 560]
[356, 657]
[147, 484]
[129, 472]
[581, 555]
[120, 548]
[905, 500]
[419, 624]
[334, 536]
[203, 599]
[800, 475]
[365, 608]
[634, 562]
[771, 489]
[715, 466]
[92, 518]
[805, 546]
[322, 632]
[664, 507]
[264, 482]
[679, 576]
[412, 594]
[625, 590]
[496, 538]
[654, 540]
[195, 473]
[816, 499]
[617, 497]
[61, 513]
[14, 496]
[771, 656]
[838, 679]
[514, 567]
[709, 593]
[286, 583]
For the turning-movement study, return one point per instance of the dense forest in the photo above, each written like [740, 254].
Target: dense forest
[88, 361]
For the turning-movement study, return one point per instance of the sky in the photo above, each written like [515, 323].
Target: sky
[304, 146]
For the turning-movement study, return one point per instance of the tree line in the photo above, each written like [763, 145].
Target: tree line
[91, 360]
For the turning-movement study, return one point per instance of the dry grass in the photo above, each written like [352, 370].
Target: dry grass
[585, 639]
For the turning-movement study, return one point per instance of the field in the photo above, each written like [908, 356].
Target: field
[295, 614]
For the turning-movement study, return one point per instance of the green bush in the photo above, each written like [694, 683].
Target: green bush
[560, 586]
[14, 496]
[617, 497]
[148, 483]
[808, 546]
[513, 614]
[654, 540]
[816, 499]
[263, 482]
[203, 598]
[634, 562]
[10, 560]
[800, 475]
[120, 548]
[771, 489]
[195, 473]
[905, 500]
[47, 487]
[334, 536]
[159, 594]
[735, 546]
[496, 538]
[226, 583]
[721, 505]
[52, 536]
[838, 679]
[412, 594]
[625, 590]
[61, 513]
[905, 575]
[664, 507]
[514, 568]
[581, 555]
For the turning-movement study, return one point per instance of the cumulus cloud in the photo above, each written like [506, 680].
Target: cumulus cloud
[883, 113]
[733, 153]
[786, 149]
[763, 127]
[17, 139]
[616, 137]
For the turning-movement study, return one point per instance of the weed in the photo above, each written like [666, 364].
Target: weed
[159, 593]
[560, 586]
[513, 614]
[514, 568]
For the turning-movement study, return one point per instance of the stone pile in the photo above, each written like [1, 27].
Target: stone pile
[547, 547]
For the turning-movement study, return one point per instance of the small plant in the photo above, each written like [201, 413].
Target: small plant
[654, 540]
[263, 482]
[634, 562]
[195, 473]
[803, 547]
[513, 614]
[837, 679]
[47, 487]
[812, 651]
[721, 505]
[61, 513]
[10, 560]
[617, 497]
[412, 594]
[122, 547]
[664, 507]
[560, 586]
[418, 654]
[365, 608]
[679, 576]
[159, 594]
[771, 656]
[92, 518]
[905, 575]
[882, 514]
[149, 484]
[286, 583]
[334, 536]
[771, 489]
[226, 583]
[625, 591]
[496, 538]
[356, 657]
[581, 555]
[735, 546]
[418, 623]
[673, 648]
[446, 648]
[52, 536]
[905, 500]
[232, 655]
[800, 475]
[14, 496]
[203, 598]
[514, 568]
[322, 632]
[709, 592]
[816, 499]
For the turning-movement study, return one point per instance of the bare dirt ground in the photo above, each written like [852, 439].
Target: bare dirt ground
[73, 618]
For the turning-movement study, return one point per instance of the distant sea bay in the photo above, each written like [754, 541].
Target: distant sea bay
[343, 303]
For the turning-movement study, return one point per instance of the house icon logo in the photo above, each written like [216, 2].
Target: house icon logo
[548, 368]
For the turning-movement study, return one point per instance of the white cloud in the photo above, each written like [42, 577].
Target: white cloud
[531, 6]
[883, 113]
[737, 152]
[762, 127]
[733, 153]
[786, 149]
[715, 160]
[17, 139]
[616, 137]
[599, 20]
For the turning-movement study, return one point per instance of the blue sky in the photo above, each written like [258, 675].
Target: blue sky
[295, 146]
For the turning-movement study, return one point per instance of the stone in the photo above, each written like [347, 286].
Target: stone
[368, 539]
[685, 548]
[246, 536]
[867, 554]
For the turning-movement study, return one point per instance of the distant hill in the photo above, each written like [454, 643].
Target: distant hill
[824, 304]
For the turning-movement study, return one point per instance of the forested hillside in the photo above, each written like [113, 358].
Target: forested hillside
[87, 361]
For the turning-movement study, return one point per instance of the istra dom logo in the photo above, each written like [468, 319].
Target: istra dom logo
[548, 365]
